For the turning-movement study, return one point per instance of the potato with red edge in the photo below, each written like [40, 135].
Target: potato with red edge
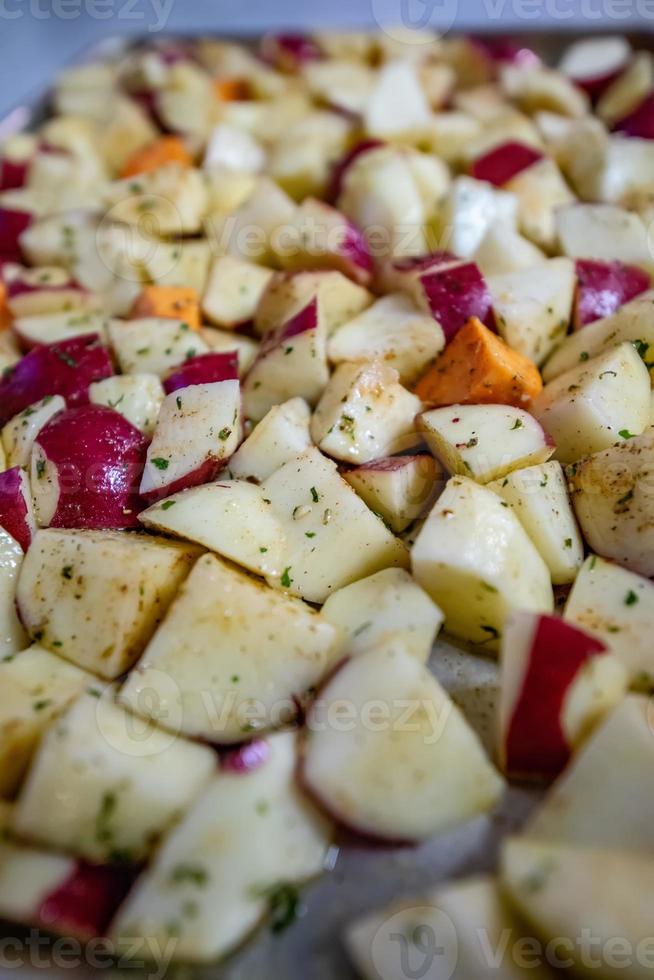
[617, 606]
[34, 689]
[124, 789]
[231, 658]
[485, 442]
[96, 597]
[605, 232]
[365, 413]
[632, 322]
[85, 467]
[537, 87]
[198, 429]
[595, 63]
[16, 512]
[287, 293]
[137, 397]
[594, 405]
[398, 488]
[586, 805]
[265, 208]
[281, 435]
[392, 330]
[301, 156]
[475, 560]
[42, 291]
[292, 362]
[612, 497]
[50, 328]
[172, 198]
[603, 287]
[18, 150]
[436, 759]
[539, 498]
[59, 894]
[203, 370]
[233, 291]
[320, 237]
[332, 538]
[533, 307]
[16, 216]
[153, 345]
[225, 341]
[384, 608]
[628, 90]
[571, 900]
[12, 634]
[251, 830]
[557, 684]
[66, 368]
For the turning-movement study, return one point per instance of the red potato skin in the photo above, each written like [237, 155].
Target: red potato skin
[603, 287]
[424, 263]
[306, 319]
[205, 473]
[65, 368]
[504, 51]
[341, 167]
[640, 122]
[100, 458]
[499, 165]
[13, 507]
[13, 174]
[246, 758]
[289, 52]
[455, 294]
[202, 370]
[12, 225]
[84, 904]
[535, 742]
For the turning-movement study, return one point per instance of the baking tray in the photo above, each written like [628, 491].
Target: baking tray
[365, 877]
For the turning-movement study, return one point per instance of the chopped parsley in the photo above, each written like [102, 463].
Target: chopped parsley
[67, 572]
[631, 598]
[625, 434]
[518, 424]
[160, 463]
[224, 433]
[192, 874]
[315, 496]
[286, 578]
[167, 504]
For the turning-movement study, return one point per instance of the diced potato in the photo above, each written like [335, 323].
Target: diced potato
[604, 231]
[332, 538]
[249, 833]
[469, 209]
[281, 435]
[617, 606]
[124, 786]
[184, 263]
[233, 291]
[12, 635]
[385, 607]
[613, 500]
[226, 340]
[138, 397]
[475, 560]
[232, 657]
[19, 433]
[592, 406]
[398, 488]
[339, 299]
[172, 201]
[153, 345]
[539, 498]
[365, 414]
[485, 442]
[34, 688]
[96, 597]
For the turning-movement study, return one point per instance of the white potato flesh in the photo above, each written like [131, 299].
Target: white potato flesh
[198, 427]
[235, 149]
[332, 538]
[592, 406]
[229, 517]
[231, 657]
[617, 606]
[604, 231]
[226, 340]
[561, 892]
[34, 688]
[397, 103]
[302, 156]
[533, 306]
[173, 199]
[503, 250]
[470, 208]
[538, 87]
[598, 687]
[267, 207]
[27, 877]
[365, 765]
[339, 299]
[12, 635]
[628, 90]
[153, 345]
[392, 330]
[540, 190]
[183, 263]
[539, 498]
[632, 322]
[233, 291]
[281, 435]
[217, 872]
[382, 607]
[484, 442]
[51, 327]
[339, 82]
[124, 786]
[365, 413]
[586, 806]
[470, 917]
[95, 597]
[19, 433]
[138, 397]
[613, 501]
[398, 488]
[475, 560]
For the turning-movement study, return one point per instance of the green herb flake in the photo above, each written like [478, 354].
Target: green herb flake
[67, 572]
[568, 542]
[631, 598]
[41, 705]
[178, 400]
[286, 578]
[283, 906]
[192, 874]
[518, 424]
[625, 434]
[40, 468]
[315, 496]
[167, 504]
[160, 463]
[584, 355]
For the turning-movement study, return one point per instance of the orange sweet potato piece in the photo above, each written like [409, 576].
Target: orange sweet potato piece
[165, 149]
[5, 313]
[174, 302]
[231, 89]
[478, 367]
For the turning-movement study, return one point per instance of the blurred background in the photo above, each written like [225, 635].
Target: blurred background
[38, 36]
